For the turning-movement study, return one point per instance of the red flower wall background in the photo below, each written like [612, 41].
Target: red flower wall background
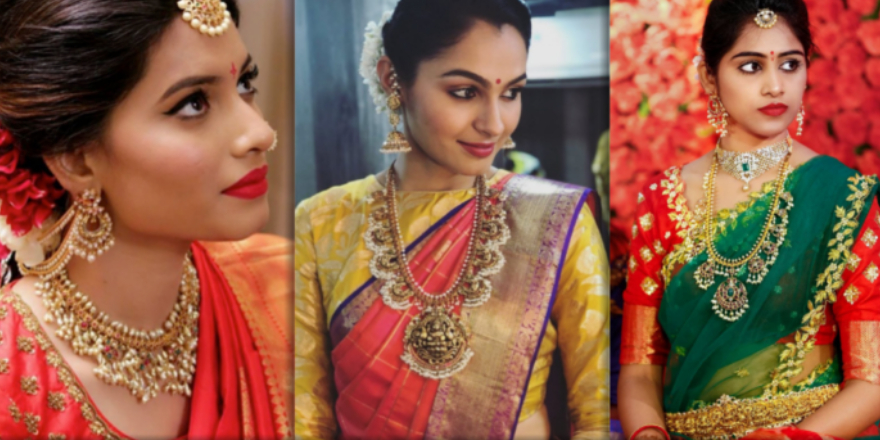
[658, 109]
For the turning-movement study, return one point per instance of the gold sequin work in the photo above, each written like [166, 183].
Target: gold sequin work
[649, 286]
[32, 423]
[646, 254]
[57, 401]
[25, 344]
[56, 436]
[852, 294]
[658, 248]
[647, 221]
[872, 272]
[4, 366]
[852, 263]
[870, 238]
[29, 385]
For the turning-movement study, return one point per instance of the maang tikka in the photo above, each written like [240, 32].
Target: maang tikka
[89, 234]
[396, 141]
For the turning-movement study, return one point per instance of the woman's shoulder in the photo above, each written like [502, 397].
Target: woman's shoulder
[345, 195]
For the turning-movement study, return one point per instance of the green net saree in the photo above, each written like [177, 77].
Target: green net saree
[724, 379]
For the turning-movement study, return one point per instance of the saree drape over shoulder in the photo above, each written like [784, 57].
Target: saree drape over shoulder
[241, 386]
[552, 293]
[729, 378]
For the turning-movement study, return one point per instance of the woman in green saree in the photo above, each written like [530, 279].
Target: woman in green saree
[752, 307]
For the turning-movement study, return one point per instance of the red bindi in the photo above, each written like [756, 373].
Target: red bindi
[233, 71]
[772, 56]
[498, 81]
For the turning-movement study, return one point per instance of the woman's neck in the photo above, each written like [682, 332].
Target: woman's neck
[417, 172]
[741, 141]
[136, 282]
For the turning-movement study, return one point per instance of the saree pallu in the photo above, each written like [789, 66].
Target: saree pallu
[729, 378]
[380, 397]
[239, 389]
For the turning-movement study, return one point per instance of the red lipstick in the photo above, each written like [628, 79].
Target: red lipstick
[251, 186]
[775, 109]
[481, 150]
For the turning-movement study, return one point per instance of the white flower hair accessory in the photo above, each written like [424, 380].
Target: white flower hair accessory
[374, 49]
[699, 57]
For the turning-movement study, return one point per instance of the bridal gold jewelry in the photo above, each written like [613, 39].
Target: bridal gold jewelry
[274, 142]
[144, 362]
[509, 144]
[89, 235]
[396, 141]
[436, 341]
[747, 166]
[717, 115]
[209, 17]
[731, 300]
[800, 119]
[765, 19]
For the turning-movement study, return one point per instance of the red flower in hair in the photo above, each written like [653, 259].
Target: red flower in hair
[26, 198]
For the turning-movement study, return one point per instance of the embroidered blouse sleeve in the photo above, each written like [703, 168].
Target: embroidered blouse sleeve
[581, 317]
[643, 341]
[313, 389]
[857, 309]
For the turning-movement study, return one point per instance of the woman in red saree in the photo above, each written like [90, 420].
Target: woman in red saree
[430, 298]
[108, 108]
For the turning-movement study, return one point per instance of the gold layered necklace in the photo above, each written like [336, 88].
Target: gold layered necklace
[731, 300]
[436, 341]
[144, 362]
[747, 166]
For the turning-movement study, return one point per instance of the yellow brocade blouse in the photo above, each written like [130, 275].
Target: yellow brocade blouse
[332, 261]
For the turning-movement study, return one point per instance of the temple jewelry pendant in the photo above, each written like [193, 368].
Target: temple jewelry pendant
[435, 344]
[731, 300]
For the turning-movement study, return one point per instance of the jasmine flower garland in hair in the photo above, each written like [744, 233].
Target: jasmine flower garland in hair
[374, 49]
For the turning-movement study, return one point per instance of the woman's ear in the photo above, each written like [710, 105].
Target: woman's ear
[72, 170]
[707, 79]
[385, 70]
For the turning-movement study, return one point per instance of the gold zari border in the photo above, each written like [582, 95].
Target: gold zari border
[733, 418]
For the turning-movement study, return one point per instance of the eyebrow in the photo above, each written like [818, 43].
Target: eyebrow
[482, 81]
[193, 81]
[760, 55]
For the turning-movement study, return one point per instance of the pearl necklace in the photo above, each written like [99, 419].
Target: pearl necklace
[144, 362]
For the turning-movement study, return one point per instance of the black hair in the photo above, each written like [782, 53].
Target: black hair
[421, 29]
[65, 64]
[726, 20]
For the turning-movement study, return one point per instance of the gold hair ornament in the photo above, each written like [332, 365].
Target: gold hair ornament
[209, 17]
[765, 19]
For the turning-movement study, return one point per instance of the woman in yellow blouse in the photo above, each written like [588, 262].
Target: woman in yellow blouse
[431, 297]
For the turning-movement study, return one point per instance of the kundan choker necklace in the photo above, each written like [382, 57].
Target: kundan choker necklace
[731, 299]
[747, 166]
[436, 341]
[144, 362]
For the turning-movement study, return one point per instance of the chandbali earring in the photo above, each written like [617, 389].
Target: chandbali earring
[800, 119]
[274, 142]
[396, 141]
[717, 115]
[88, 236]
[509, 144]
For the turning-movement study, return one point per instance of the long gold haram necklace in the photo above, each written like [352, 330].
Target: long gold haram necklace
[731, 300]
[144, 362]
[436, 341]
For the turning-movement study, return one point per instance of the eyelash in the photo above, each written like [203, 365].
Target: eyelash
[472, 93]
[795, 65]
[200, 96]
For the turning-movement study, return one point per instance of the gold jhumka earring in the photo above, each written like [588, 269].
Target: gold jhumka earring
[396, 141]
[509, 144]
[717, 115]
[89, 235]
[800, 119]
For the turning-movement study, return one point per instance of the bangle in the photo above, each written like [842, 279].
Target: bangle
[665, 432]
